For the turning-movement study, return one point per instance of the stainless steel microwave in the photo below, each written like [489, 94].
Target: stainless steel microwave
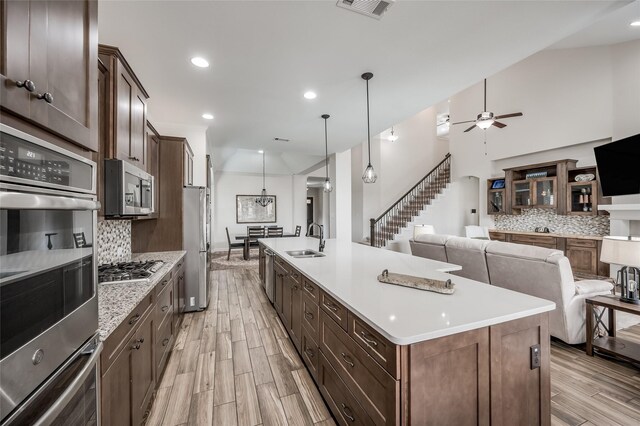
[128, 190]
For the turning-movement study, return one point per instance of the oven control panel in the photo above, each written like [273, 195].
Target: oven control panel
[25, 160]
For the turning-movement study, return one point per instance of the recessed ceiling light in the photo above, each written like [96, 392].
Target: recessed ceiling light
[310, 95]
[635, 23]
[261, 152]
[200, 62]
[207, 116]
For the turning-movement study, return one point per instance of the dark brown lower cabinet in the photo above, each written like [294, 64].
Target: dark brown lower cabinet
[478, 377]
[128, 384]
[136, 353]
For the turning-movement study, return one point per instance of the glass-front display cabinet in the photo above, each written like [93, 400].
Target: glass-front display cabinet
[496, 194]
[538, 192]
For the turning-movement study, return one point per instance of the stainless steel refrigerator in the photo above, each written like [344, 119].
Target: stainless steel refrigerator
[196, 244]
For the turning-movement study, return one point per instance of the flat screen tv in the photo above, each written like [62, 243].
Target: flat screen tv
[619, 166]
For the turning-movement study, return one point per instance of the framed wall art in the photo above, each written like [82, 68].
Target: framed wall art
[248, 211]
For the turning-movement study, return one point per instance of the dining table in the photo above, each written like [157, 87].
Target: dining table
[246, 239]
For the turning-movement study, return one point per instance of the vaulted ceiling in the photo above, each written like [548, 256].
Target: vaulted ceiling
[265, 54]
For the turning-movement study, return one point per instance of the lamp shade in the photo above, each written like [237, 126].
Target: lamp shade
[423, 229]
[485, 124]
[623, 251]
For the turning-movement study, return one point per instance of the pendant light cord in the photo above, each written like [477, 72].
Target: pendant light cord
[368, 126]
[326, 151]
[263, 172]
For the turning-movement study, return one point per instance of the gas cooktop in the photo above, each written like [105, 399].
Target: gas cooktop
[127, 271]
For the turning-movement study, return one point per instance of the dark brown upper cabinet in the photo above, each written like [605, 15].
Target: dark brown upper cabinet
[126, 110]
[48, 73]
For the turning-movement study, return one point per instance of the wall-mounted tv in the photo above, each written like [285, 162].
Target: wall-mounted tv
[619, 166]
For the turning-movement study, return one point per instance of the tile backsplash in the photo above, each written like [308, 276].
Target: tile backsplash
[114, 241]
[532, 218]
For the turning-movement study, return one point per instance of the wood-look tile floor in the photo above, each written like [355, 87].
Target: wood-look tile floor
[234, 364]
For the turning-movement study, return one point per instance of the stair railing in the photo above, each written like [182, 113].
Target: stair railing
[379, 232]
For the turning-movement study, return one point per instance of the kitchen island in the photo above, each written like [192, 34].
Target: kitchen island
[384, 354]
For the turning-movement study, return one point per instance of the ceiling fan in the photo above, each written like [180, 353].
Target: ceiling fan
[486, 118]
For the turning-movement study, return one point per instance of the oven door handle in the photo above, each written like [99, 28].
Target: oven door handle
[56, 408]
[26, 201]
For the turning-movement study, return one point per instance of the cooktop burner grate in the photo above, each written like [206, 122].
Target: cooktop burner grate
[128, 271]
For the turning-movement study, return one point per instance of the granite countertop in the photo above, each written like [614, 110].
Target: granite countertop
[117, 301]
[349, 271]
[551, 234]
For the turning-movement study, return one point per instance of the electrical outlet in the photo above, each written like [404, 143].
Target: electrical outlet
[535, 357]
[192, 301]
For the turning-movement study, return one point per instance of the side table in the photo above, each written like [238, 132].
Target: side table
[609, 344]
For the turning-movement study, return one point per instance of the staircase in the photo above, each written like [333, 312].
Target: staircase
[388, 224]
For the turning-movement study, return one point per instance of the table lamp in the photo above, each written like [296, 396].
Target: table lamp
[624, 251]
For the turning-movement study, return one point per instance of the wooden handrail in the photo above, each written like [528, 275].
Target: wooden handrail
[446, 157]
[397, 208]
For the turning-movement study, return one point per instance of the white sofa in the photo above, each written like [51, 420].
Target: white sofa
[540, 272]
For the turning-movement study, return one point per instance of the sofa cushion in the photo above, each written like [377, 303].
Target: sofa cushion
[439, 239]
[470, 255]
[430, 246]
[525, 251]
[592, 286]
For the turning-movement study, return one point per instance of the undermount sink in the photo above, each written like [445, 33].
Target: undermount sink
[298, 254]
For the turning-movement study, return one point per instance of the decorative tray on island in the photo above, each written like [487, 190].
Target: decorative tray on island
[437, 286]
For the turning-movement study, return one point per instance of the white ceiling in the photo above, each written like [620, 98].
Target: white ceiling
[265, 54]
[611, 29]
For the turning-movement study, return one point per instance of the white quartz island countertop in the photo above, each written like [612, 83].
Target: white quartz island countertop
[349, 271]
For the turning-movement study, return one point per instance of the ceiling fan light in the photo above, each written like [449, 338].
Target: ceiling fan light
[485, 124]
[369, 175]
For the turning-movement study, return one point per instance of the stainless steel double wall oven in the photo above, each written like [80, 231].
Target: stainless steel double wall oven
[49, 349]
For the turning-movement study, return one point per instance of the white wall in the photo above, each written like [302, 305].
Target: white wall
[228, 185]
[343, 195]
[399, 165]
[572, 100]
[197, 137]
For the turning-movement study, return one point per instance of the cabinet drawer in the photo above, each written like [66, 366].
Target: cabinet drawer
[310, 289]
[497, 236]
[310, 315]
[577, 242]
[310, 352]
[295, 276]
[342, 404]
[380, 349]
[164, 306]
[164, 284]
[376, 391]
[535, 240]
[163, 343]
[334, 309]
[282, 264]
[121, 334]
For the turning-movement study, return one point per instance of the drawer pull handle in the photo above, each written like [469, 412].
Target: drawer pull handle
[308, 288]
[46, 96]
[309, 352]
[346, 410]
[135, 346]
[134, 319]
[164, 282]
[366, 339]
[331, 306]
[165, 308]
[295, 287]
[347, 359]
[308, 315]
[165, 341]
[28, 85]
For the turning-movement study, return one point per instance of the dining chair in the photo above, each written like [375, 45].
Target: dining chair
[298, 229]
[253, 233]
[275, 231]
[233, 245]
[80, 240]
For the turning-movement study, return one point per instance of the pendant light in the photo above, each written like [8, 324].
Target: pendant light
[263, 200]
[327, 186]
[369, 175]
[392, 136]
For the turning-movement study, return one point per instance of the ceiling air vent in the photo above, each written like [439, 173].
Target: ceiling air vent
[372, 8]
